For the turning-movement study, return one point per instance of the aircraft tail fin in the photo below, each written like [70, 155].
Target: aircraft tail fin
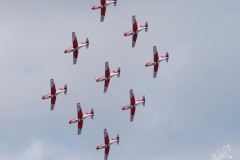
[146, 25]
[143, 100]
[92, 111]
[167, 55]
[118, 138]
[65, 88]
[87, 42]
[119, 72]
[115, 3]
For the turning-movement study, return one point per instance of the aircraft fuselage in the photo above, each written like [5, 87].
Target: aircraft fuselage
[61, 90]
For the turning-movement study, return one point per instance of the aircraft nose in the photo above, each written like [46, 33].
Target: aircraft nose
[69, 122]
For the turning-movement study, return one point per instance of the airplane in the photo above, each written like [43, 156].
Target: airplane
[81, 117]
[156, 61]
[103, 6]
[54, 93]
[76, 47]
[108, 76]
[107, 143]
[133, 104]
[134, 32]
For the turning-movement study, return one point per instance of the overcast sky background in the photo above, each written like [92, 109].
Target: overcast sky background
[192, 107]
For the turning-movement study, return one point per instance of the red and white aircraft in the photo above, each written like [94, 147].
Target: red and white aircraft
[156, 61]
[107, 143]
[103, 6]
[133, 104]
[54, 93]
[108, 76]
[135, 30]
[76, 47]
[81, 117]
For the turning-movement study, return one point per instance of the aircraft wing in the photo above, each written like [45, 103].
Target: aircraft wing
[107, 70]
[155, 69]
[103, 9]
[132, 113]
[106, 84]
[80, 125]
[132, 98]
[75, 56]
[52, 85]
[107, 149]
[103, 12]
[79, 111]
[155, 54]
[53, 101]
[106, 138]
[134, 23]
[134, 39]
[74, 40]
[103, 2]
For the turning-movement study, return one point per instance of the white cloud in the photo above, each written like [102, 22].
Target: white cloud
[37, 150]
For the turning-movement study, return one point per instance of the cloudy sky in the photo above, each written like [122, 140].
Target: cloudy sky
[192, 107]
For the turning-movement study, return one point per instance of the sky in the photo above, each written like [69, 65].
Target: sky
[192, 107]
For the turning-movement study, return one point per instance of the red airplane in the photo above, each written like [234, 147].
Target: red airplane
[156, 61]
[135, 30]
[107, 143]
[133, 104]
[76, 47]
[81, 117]
[54, 93]
[108, 76]
[103, 6]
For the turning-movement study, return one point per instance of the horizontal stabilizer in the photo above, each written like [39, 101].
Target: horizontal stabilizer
[119, 72]
[65, 88]
[146, 25]
[167, 55]
[92, 112]
[87, 42]
[143, 99]
[118, 138]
